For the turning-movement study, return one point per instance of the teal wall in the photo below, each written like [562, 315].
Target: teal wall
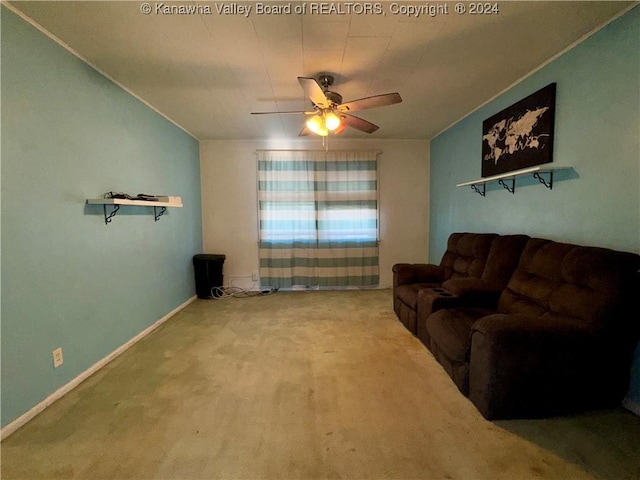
[597, 133]
[69, 280]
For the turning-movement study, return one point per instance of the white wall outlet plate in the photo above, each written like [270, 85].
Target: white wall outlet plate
[57, 357]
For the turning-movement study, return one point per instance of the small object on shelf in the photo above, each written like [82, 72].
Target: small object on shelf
[148, 198]
[121, 195]
[159, 206]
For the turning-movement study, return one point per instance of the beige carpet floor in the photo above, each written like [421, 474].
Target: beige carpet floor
[300, 385]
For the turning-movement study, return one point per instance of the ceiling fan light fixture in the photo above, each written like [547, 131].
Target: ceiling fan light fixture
[341, 128]
[331, 121]
[316, 125]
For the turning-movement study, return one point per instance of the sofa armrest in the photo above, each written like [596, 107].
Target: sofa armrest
[474, 291]
[524, 366]
[408, 273]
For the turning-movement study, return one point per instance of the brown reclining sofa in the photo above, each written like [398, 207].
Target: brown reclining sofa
[559, 339]
[474, 270]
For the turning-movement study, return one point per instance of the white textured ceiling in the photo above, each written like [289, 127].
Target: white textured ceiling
[208, 72]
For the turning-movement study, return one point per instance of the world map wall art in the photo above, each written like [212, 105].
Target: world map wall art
[521, 135]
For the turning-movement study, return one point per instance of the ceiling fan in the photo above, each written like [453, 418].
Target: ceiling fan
[329, 114]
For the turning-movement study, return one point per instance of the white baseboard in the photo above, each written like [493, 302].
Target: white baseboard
[25, 417]
[631, 405]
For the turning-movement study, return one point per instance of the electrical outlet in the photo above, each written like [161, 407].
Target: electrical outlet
[254, 276]
[57, 357]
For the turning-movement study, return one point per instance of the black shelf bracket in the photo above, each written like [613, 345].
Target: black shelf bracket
[512, 188]
[476, 189]
[546, 183]
[109, 216]
[158, 215]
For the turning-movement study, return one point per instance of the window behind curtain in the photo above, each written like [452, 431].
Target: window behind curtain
[318, 216]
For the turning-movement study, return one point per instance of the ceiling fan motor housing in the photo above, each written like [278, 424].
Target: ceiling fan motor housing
[333, 97]
[326, 81]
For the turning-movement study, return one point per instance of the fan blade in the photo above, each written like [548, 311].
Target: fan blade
[370, 102]
[359, 123]
[304, 132]
[314, 92]
[284, 113]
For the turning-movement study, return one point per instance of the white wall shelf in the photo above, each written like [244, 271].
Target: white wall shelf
[504, 179]
[159, 207]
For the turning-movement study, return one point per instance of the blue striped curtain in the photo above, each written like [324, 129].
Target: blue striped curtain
[318, 215]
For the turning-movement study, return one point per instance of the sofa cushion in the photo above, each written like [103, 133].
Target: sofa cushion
[466, 254]
[450, 331]
[431, 300]
[567, 282]
[503, 259]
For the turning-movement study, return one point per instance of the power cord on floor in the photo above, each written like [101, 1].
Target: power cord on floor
[237, 292]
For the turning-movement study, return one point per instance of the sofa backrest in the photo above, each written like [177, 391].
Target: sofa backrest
[503, 259]
[466, 254]
[569, 282]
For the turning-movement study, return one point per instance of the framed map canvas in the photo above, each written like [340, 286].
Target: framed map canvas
[521, 135]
